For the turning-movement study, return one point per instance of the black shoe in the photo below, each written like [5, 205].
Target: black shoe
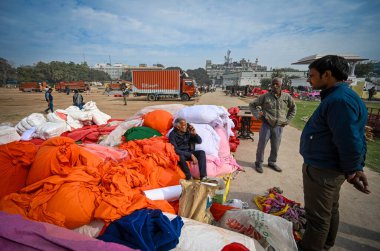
[259, 168]
[275, 167]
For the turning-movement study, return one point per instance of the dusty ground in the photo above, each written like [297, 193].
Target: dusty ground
[359, 213]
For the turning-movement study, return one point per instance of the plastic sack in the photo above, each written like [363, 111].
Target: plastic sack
[28, 134]
[210, 139]
[266, 228]
[35, 119]
[8, 134]
[200, 114]
[49, 129]
[77, 114]
[198, 236]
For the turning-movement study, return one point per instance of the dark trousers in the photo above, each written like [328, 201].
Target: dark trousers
[201, 157]
[321, 192]
[50, 107]
[267, 133]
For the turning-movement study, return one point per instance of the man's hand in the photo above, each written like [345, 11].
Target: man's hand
[194, 159]
[192, 130]
[359, 180]
[284, 124]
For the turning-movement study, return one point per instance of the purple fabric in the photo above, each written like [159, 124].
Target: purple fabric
[17, 233]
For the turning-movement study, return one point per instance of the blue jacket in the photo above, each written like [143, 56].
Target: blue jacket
[334, 135]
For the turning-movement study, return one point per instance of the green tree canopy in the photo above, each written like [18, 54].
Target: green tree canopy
[363, 69]
[7, 72]
[200, 76]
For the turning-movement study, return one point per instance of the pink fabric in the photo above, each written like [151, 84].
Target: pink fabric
[218, 166]
[107, 152]
[22, 234]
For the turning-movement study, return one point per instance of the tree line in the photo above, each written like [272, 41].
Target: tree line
[52, 72]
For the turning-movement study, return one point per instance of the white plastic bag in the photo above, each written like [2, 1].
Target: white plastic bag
[8, 134]
[114, 138]
[210, 139]
[50, 129]
[198, 236]
[274, 230]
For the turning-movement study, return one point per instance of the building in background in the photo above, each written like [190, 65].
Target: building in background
[244, 72]
[116, 70]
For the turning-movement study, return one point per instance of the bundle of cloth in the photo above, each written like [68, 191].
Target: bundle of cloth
[70, 185]
[72, 119]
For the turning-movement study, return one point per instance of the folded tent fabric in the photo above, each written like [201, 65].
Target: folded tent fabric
[159, 120]
[106, 152]
[57, 155]
[145, 230]
[164, 166]
[16, 159]
[22, 234]
[64, 201]
[141, 132]
[89, 134]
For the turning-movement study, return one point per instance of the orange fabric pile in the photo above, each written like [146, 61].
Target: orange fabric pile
[160, 120]
[15, 161]
[73, 186]
[157, 150]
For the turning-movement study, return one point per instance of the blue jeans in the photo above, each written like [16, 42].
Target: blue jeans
[50, 107]
[274, 135]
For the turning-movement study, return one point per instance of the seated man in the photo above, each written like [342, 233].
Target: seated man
[182, 138]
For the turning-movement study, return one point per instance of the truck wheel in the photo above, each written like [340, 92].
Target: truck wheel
[185, 97]
[151, 97]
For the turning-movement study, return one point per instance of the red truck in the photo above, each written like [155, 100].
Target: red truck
[156, 84]
[32, 86]
[75, 85]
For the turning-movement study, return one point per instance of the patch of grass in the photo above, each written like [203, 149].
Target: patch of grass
[372, 105]
[373, 155]
[304, 109]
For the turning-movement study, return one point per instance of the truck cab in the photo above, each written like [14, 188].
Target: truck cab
[187, 89]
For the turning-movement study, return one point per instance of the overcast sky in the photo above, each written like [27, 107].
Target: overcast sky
[186, 33]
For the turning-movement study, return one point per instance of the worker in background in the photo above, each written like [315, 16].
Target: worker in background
[78, 99]
[125, 95]
[276, 109]
[49, 100]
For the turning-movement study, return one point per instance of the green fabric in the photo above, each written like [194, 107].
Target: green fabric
[277, 110]
[141, 132]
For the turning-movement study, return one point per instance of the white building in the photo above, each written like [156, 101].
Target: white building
[253, 78]
[116, 70]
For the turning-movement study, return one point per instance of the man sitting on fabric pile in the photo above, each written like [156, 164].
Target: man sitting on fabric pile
[183, 137]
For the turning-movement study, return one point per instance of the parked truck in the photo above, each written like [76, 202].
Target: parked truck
[32, 86]
[75, 85]
[157, 84]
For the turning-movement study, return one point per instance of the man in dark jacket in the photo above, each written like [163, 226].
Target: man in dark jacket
[49, 100]
[333, 147]
[183, 137]
[78, 99]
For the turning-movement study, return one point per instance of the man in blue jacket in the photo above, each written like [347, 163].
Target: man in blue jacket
[333, 147]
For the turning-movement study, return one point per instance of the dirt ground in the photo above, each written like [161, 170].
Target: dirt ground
[359, 213]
